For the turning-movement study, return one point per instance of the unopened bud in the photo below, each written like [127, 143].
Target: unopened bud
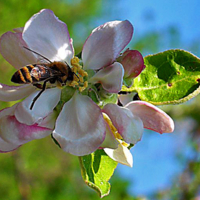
[133, 63]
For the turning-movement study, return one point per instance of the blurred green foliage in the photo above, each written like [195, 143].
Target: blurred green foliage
[40, 170]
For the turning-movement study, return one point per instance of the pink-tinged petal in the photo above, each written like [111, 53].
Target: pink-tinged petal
[47, 35]
[7, 147]
[127, 98]
[105, 43]
[11, 48]
[110, 77]
[122, 155]
[13, 133]
[8, 111]
[110, 141]
[153, 118]
[133, 63]
[80, 126]
[14, 93]
[16, 133]
[43, 106]
[49, 121]
[129, 126]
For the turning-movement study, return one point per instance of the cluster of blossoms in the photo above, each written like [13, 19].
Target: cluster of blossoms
[85, 116]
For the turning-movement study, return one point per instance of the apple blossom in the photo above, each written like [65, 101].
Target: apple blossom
[45, 34]
[82, 116]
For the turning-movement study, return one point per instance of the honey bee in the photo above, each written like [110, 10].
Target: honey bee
[53, 72]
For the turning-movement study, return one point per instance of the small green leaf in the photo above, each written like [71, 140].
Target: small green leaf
[170, 77]
[128, 82]
[97, 168]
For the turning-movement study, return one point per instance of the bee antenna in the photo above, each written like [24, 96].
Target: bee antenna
[37, 53]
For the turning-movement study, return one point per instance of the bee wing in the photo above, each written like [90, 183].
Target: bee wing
[41, 60]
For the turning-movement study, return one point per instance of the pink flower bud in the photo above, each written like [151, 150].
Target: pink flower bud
[132, 62]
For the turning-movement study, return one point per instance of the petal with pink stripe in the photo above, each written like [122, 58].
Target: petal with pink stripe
[152, 117]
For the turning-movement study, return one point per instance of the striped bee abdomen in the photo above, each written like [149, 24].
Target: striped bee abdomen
[32, 74]
[23, 75]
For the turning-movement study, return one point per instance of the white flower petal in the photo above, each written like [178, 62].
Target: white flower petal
[43, 106]
[153, 118]
[11, 48]
[7, 147]
[49, 121]
[14, 93]
[126, 98]
[16, 133]
[110, 77]
[105, 43]
[47, 35]
[110, 141]
[130, 127]
[9, 111]
[13, 133]
[80, 127]
[122, 155]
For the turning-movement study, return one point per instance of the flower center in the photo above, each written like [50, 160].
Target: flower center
[115, 132]
[79, 77]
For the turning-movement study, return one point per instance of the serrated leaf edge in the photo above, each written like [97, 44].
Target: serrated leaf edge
[187, 98]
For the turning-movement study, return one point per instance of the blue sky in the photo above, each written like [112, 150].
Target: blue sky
[183, 13]
[155, 162]
[156, 15]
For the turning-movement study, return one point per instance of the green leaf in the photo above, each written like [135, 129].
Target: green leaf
[128, 82]
[97, 168]
[170, 77]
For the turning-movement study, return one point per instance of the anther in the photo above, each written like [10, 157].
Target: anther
[79, 74]
[74, 60]
[73, 83]
[112, 127]
[85, 84]
[81, 79]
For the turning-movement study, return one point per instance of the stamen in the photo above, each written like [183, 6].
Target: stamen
[112, 127]
[125, 144]
[74, 60]
[73, 83]
[76, 78]
[81, 79]
[79, 75]
[85, 84]
[82, 73]
[116, 134]
[81, 89]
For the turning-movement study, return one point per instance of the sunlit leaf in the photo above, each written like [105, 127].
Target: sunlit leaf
[97, 168]
[170, 77]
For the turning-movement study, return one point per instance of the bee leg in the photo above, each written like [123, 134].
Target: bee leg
[43, 89]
